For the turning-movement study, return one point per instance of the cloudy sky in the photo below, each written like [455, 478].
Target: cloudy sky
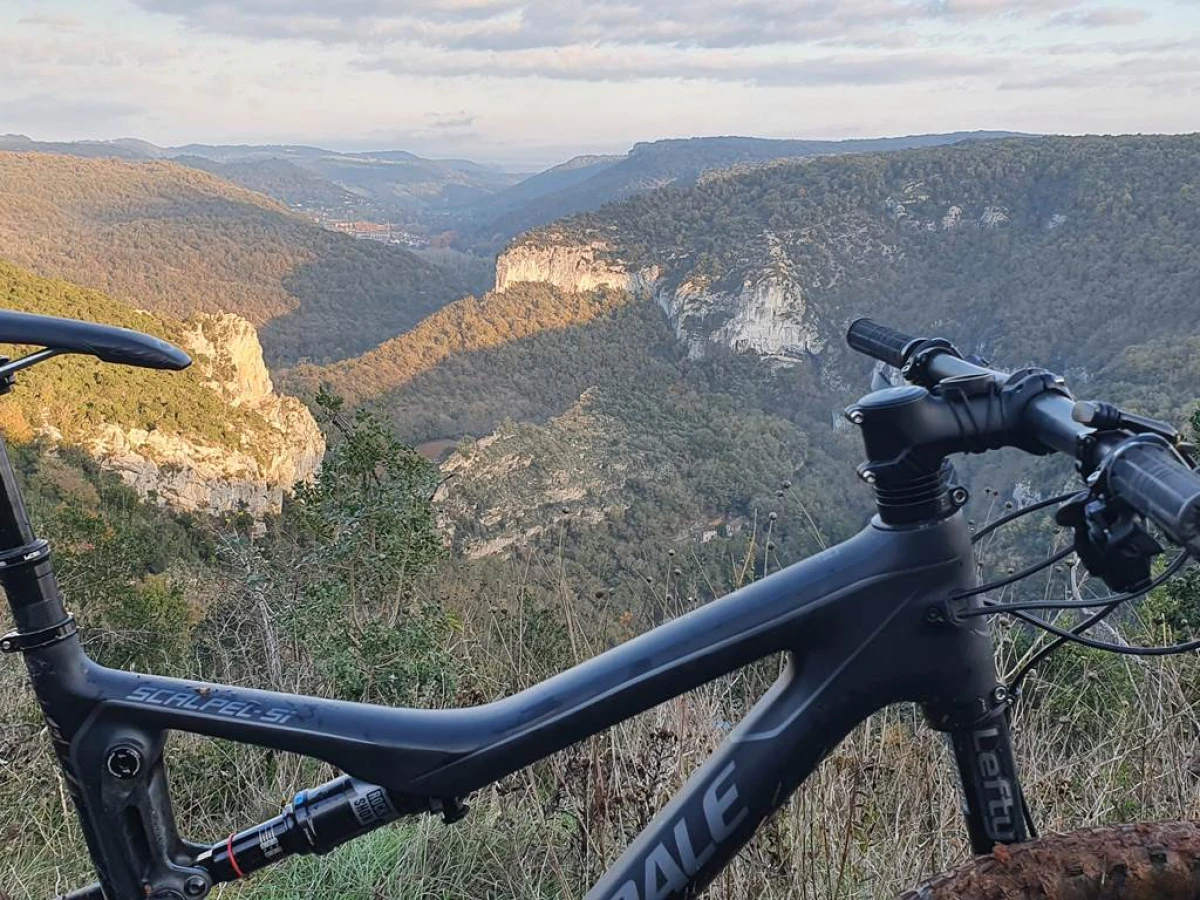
[528, 82]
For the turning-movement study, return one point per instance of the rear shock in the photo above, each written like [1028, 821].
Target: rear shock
[316, 821]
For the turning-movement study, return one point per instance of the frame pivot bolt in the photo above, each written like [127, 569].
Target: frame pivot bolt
[124, 762]
[959, 496]
[195, 886]
[867, 475]
[1001, 694]
[855, 416]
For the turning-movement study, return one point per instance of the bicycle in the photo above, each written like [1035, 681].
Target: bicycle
[907, 580]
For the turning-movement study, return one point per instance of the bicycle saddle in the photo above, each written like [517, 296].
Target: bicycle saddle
[105, 342]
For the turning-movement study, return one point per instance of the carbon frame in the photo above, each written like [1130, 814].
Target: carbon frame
[863, 625]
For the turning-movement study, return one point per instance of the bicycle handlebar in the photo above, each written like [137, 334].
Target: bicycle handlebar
[878, 341]
[1144, 470]
[1148, 473]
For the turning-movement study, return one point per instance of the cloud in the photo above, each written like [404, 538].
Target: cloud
[1123, 48]
[612, 65]
[1137, 71]
[762, 42]
[1105, 17]
[450, 122]
[56, 23]
[510, 25]
[37, 111]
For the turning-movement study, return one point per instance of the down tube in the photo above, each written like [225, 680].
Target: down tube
[774, 748]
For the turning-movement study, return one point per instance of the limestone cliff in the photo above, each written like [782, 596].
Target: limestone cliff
[191, 472]
[771, 291]
[569, 265]
[765, 312]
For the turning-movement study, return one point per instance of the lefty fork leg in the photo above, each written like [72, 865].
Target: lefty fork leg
[991, 791]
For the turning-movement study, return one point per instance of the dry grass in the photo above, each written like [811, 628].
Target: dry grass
[1105, 739]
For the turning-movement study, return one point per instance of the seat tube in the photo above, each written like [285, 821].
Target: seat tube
[15, 529]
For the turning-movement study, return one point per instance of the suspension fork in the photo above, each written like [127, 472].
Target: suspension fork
[993, 804]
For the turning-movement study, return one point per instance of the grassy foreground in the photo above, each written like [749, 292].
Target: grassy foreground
[1102, 739]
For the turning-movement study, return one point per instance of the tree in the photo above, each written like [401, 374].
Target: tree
[331, 586]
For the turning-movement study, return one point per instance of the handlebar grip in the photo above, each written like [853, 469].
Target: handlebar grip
[1150, 477]
[91, 892]
[880, 342]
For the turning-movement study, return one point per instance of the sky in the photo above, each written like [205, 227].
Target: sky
[527, 84]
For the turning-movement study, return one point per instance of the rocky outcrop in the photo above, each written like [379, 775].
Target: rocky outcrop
[191, 473]
[504, 490]
[767, 315]
[226, 346]
[569, 266]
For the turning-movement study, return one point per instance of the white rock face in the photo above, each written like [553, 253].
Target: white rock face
[570, 267]
[767, 316]
[993, 217]
[228, 347]
[192, 475]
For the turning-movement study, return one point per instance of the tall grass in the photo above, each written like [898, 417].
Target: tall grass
[1100, 739]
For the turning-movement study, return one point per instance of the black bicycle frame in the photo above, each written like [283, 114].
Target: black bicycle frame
[862, 625]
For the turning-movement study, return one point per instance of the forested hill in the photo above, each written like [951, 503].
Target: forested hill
[586, 183]
[283, 180]
[177, 240]
[463, 327]
[1062, 250]
[1075, 253]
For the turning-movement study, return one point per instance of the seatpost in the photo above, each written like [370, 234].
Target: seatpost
[25, 572]
[24, 561]
[15, 529]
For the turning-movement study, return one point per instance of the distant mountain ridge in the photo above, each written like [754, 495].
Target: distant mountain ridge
[481, 206]
[124, 148]
[587, 183]
[380, 184]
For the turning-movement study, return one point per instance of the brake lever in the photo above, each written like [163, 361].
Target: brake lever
[1110, 539]
[1108, 417]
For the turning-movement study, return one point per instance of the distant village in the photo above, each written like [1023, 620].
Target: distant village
[363, 229]
[384, 232]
